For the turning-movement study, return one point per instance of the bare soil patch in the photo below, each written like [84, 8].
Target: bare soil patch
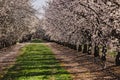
[7, 57]
[82, 67]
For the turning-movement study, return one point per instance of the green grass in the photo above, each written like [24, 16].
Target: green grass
[36, 41]
[112, 54]
[37, 62]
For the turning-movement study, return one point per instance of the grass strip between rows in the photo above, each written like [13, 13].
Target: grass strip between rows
[37, 62]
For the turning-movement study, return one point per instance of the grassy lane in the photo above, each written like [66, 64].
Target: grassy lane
[37, 62]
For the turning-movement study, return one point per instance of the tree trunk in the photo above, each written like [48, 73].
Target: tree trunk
[96, 54]
[90, 49]
[85, 48]
[96, 51]
[117, 60]
[80, 48]
[103, 57]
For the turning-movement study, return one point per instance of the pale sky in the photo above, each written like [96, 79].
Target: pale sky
[38, 4]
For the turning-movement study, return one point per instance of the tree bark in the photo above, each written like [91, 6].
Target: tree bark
[96, 51]
[85, 48]
[80, 48]
[90, 49]
[117, 60]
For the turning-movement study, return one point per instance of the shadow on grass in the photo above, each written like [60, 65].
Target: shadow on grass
[36, 41]
[37, 63]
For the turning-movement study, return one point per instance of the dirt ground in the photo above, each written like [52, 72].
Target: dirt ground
[7, 57]
[80, 66]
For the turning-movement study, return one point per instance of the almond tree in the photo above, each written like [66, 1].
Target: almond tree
[84, 22]
[15, 20]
